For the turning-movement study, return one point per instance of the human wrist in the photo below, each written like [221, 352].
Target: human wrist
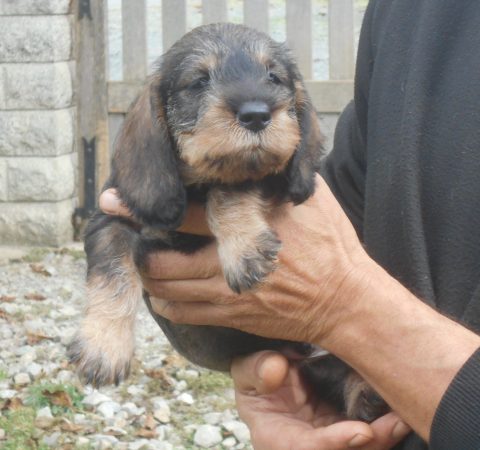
[338, 301]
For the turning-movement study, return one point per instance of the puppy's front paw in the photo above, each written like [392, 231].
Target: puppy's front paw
[245, 264]
[102, 354]
[362, 401]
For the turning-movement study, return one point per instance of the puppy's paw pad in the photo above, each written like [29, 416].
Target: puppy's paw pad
[99, 364]
[366, 405]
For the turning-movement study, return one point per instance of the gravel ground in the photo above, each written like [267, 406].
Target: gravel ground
[167, 403]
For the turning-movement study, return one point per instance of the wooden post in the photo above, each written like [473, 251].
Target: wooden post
[341, 39]
[134, 39]
[214, 11]
[91, 95]
[299, 33]
[255, 14]
[174, 21]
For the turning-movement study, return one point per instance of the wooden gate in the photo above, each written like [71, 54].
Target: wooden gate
[102, 103]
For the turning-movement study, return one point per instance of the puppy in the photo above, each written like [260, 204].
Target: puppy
[224, 120]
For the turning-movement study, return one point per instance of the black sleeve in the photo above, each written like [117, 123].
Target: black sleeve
[344, 167]
[456, 424]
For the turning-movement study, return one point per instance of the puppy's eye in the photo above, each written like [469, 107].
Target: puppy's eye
[199, 83]
[274, 78]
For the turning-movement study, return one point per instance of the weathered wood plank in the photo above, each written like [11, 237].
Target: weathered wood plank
[115, 122]
[327, 96]
[214, 11]
[341, 39]
[121, 95]
[299, 33]
[174, 21]
[255, 14]
[134, 39]
[330, 96]
[91, 89]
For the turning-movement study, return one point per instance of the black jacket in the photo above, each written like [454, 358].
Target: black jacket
[406, 168]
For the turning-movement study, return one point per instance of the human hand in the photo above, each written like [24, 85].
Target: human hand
[281, 413]
[319, 258]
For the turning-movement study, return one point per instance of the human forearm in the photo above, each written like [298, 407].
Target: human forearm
[406, 350]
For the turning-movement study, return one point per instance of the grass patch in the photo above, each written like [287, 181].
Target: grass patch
[20, 430]
[36, 255]
[210, 382]
[73, 252]
[61, 398]
[3, 374]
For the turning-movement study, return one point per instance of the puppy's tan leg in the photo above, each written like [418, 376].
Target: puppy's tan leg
[103, 347]
[361, 401]
[247, 246]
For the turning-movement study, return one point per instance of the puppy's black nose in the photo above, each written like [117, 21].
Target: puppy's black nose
[254, 116]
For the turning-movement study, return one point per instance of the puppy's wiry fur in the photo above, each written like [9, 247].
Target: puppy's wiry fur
[225, 120]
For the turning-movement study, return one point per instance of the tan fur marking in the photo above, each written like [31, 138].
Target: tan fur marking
[105, 340]
[247, 247]
[220, 149]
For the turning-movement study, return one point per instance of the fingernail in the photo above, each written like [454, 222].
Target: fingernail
[400, 430]
[359, 440]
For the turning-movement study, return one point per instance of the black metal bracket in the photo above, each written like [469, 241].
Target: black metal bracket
[89, 187]
[84, 9]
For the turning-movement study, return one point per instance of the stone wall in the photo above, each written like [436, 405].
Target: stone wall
[37, 122]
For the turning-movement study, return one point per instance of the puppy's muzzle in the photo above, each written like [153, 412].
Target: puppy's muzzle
[254, 115]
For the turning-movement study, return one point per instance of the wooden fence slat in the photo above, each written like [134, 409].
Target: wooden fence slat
[134, 42]
[299, 33]
[91, 86]
[255, 13]
[214, 11]
[174, 21]
[341, 39]
[327, 96]
[115, 122]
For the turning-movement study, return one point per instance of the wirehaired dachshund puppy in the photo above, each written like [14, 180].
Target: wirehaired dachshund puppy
[224, 120]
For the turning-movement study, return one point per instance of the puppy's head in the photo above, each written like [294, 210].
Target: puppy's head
[226, 105]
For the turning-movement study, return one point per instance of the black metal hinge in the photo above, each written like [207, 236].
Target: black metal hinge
[84, 9]
[89, 187]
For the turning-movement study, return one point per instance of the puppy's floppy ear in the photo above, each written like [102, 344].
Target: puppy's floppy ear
[145, 167]
[305, 162]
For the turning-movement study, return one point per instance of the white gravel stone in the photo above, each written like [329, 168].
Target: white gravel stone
[207, 436]
[162, 414]
[22, 379]
[108, 409]
[132, 409]
[7, 394]
[65, 376]
[51, 440]
[44, 418]
[187, 398]
[82, 441]
[229, 442]
[95, 398]
[34, 369]
[187, 374]
[239, 430]
[104, 441]
[212, 418]
[2, 434]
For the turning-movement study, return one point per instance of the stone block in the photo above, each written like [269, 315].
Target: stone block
[40, 179]
[37, 86]
[36, 133]
[35, 38]
[35, 7]
[36, 223]
[3, 180]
